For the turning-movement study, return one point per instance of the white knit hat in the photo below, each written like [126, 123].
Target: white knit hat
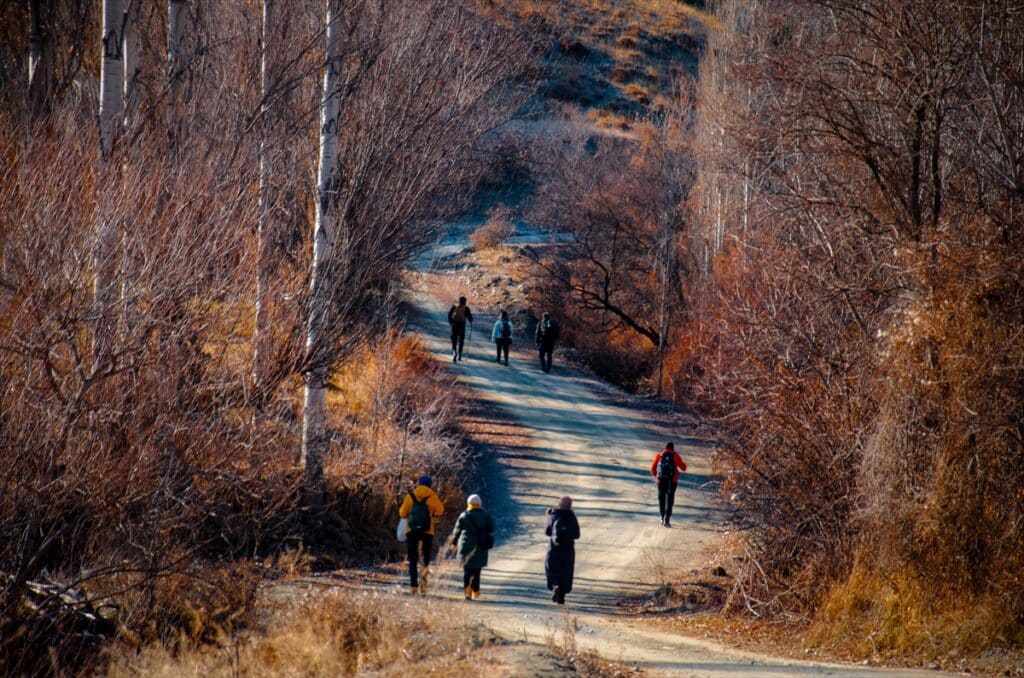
[475, 500]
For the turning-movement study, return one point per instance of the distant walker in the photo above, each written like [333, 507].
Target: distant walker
[547, 335]
[665, 468]
[501, 335]
[458, 316]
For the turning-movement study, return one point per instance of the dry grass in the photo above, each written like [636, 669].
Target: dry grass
[561, 643]
[661, 18]
[616, 43]
[874, 614]
[339, 632]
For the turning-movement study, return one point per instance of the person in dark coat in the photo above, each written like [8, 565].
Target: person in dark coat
[560, 561]
[472, 528]
[547, 335]
[458, 316]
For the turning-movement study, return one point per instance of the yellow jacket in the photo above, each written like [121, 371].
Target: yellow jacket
[434, 505]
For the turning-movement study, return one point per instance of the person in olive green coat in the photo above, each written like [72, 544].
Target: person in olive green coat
[472, 538]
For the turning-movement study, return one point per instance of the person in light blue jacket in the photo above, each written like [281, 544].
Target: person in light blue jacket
[502, 335]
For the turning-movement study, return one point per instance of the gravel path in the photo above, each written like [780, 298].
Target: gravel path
[583, 444]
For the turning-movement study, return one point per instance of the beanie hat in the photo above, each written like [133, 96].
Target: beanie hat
[426, 480]
[565, 503]
[670, 446]
[474, 501]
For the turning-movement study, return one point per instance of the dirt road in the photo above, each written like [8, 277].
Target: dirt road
[584, 444]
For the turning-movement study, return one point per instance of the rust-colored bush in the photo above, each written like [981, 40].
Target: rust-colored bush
[500, 226]
[859, 339]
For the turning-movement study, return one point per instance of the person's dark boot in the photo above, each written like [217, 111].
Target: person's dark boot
[555, 594]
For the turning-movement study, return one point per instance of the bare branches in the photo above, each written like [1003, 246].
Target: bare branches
[860, 225]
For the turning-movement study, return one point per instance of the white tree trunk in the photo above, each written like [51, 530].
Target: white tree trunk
[111, 111]
[112, 75]
[41, 54]
[176, 13]
[35, 39]
[131, 60]
[261, 332]
[314, 421]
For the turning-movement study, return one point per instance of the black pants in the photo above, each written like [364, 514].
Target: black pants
[503, 345]
[666, 497]
[458, 338]
[545, 357]
[413, 541]
[471, 578]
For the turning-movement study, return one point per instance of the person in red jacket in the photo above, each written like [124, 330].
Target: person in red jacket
[665, 468]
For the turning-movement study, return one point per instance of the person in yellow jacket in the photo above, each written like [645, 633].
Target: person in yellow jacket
[421, 507]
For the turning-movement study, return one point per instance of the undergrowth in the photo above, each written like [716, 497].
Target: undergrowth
[337, 632]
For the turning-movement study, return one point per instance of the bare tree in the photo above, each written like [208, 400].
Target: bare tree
[385, 184]
[131, 60]
[177, 15]
[110, 118]
[325, 235]
[41, 53]
[858, 184]
[261, 330]
[623, 266]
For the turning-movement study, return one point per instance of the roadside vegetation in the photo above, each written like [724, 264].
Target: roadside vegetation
[195, 399]
[859, 338]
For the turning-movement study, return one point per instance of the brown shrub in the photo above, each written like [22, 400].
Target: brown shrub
[623, 73]
[860, 350]
[499, 226]
[639, 93]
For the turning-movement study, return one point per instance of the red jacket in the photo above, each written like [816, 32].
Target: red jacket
[680, 464]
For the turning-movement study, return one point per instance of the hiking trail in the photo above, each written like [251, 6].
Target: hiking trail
[586, 441]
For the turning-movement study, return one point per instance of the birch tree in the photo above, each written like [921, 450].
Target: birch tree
[111, 76]
[261, 326]
[325, 232]
[111, 111]
[40, 53]
[131, 59]
[176, 13]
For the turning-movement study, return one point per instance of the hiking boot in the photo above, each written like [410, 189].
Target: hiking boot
[476, 595]
[667, 523]
[423, 581]
[555, 594]
[469, 593]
